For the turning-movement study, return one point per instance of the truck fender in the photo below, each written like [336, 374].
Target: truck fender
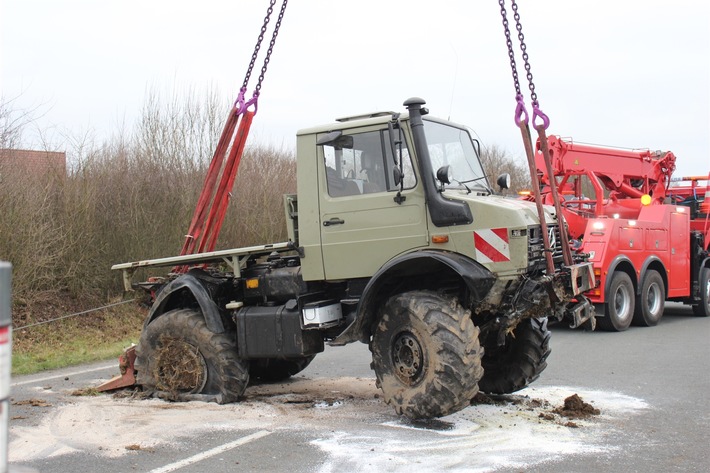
[168, 296]
[390, 277]
[658, 265]
[627, 266]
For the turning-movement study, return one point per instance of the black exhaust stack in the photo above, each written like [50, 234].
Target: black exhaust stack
[444, 212]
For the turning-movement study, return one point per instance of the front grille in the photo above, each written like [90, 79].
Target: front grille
[536, 255]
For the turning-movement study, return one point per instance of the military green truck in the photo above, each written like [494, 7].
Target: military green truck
[397, 240]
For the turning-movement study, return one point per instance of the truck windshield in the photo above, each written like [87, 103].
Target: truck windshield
[449, 145]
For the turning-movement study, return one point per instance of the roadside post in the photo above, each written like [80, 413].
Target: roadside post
[5, 358]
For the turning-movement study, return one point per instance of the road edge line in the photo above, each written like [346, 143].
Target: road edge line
[61, 375]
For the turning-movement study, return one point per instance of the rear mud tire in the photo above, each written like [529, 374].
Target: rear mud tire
[703, 309]
[619, 306]
[520, 361]
[426, 355]
[651, 302]
[271, 370]
[178, 358]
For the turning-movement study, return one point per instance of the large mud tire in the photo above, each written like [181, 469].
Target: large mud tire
[270, 370]
[520, 361]
[619, 306]
[703, 309]
[178, 358]
[426, 355]
[650, 303]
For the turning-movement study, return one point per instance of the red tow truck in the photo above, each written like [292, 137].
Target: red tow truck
[648, 240]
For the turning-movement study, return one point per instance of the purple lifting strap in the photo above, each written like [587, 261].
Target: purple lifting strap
[521, 113]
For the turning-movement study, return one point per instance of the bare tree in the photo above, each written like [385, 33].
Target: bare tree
[12, 123]
[496, 161]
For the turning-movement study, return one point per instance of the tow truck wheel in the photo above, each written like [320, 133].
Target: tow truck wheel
[520, 361]
[619, 306]
[426, 355]
[703, 309]
[273, 369]
[651, 302]
[180, 359]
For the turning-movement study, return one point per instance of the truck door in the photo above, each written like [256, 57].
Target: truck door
[362, 225]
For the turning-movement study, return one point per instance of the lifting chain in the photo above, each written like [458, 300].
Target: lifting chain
[271, 45]
[521, 119]
[521, 112]
[509, 44]
[240, 101]
[524, 49]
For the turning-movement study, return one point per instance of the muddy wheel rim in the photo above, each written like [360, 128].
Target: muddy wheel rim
[180, 367]
[407, 358]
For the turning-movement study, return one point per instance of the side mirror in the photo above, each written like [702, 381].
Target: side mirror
[443, 174]
[504, 181]
[397, 175]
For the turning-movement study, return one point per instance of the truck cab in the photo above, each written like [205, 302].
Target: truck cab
[371, 191]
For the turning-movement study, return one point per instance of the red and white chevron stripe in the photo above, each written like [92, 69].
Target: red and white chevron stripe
[492, 245]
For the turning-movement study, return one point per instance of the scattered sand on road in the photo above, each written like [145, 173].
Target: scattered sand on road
[347, 415]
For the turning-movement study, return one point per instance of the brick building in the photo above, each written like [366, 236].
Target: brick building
[20, 163]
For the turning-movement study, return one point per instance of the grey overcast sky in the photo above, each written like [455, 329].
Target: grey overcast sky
[627, 73]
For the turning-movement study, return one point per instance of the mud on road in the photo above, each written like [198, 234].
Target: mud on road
[344, 418]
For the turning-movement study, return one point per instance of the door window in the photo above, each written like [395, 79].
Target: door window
[366, 167]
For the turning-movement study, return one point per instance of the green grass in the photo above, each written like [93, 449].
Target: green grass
[83, 339]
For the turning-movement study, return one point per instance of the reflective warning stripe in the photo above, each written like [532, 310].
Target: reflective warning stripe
[492, 245]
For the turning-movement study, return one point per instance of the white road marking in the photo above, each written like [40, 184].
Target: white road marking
[63, 375]
[210, 453]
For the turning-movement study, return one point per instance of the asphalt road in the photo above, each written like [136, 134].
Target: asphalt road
[650, 384]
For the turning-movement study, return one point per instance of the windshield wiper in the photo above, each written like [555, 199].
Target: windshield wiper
[488, 189]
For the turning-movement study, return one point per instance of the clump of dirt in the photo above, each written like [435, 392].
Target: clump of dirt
[538, 403]
[498, 399]
[575, 408]
[431, 424]
[134, 447]
[132, 393]
[34, 402]
[524, 402]
[481, 398]
[88, 391]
